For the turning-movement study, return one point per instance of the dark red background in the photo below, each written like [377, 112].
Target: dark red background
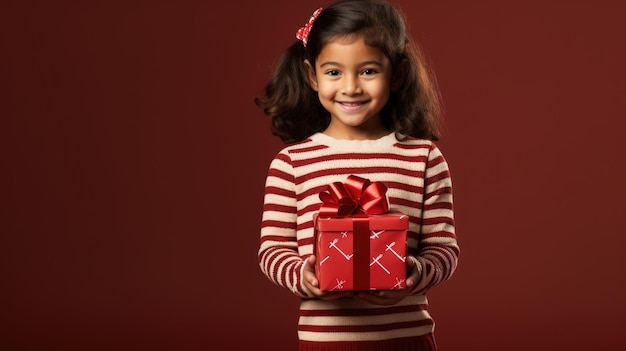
[133, 162]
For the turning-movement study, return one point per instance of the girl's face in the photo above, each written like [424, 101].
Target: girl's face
[353, 81]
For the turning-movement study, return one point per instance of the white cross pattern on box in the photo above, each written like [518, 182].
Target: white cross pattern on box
[388, 248]
[333, 244]
[339, 285]
[399, 283]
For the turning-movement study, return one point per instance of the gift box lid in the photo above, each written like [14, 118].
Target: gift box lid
[386, 221]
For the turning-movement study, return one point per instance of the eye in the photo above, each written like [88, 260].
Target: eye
[332, 72]
[368, 72]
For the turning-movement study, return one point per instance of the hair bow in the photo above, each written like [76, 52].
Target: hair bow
[303, 33]
[355, 195]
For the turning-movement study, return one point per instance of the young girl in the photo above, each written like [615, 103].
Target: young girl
[353, 97]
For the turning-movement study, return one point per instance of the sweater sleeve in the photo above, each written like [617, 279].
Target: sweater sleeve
[278, 252]
[438, 251]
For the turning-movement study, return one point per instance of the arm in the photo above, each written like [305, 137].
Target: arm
[278, 252]
[436, 260]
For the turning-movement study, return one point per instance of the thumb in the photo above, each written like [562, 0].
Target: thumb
[309, 263]
[410, 263]
[309, 271]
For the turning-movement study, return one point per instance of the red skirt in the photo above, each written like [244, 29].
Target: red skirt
[419, 343]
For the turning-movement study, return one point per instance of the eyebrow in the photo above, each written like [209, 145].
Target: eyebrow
[366, 63]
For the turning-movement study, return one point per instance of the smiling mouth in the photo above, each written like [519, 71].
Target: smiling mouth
[352, 106]
[349, 104]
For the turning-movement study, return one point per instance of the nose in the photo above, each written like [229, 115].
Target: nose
[351, 85]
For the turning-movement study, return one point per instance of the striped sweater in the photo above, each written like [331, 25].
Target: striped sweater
[419, 185]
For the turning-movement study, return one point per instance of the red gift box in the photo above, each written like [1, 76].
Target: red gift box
[361, 252]
[359, 244]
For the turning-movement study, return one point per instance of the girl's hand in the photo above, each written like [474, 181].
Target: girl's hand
[392, 297]
[312, 284]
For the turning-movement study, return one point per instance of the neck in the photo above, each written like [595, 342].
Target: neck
[356, 133]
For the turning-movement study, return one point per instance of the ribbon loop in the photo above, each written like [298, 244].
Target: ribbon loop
[303, 33]
[355, 195]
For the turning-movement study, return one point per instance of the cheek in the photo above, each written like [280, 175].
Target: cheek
[381, 91]
[325, 90]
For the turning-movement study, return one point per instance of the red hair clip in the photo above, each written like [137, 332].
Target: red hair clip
[303, 33]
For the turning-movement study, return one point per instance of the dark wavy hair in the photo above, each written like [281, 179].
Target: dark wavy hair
[412, 110]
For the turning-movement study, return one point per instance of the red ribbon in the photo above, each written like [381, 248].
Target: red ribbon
[303, 33]
[355, 195]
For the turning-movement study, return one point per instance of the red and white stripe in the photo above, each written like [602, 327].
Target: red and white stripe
[419, 185]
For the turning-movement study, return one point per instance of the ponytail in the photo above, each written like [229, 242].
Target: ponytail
[290, 101]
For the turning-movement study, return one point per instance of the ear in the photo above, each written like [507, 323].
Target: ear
[311, 74]
[399, 75]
